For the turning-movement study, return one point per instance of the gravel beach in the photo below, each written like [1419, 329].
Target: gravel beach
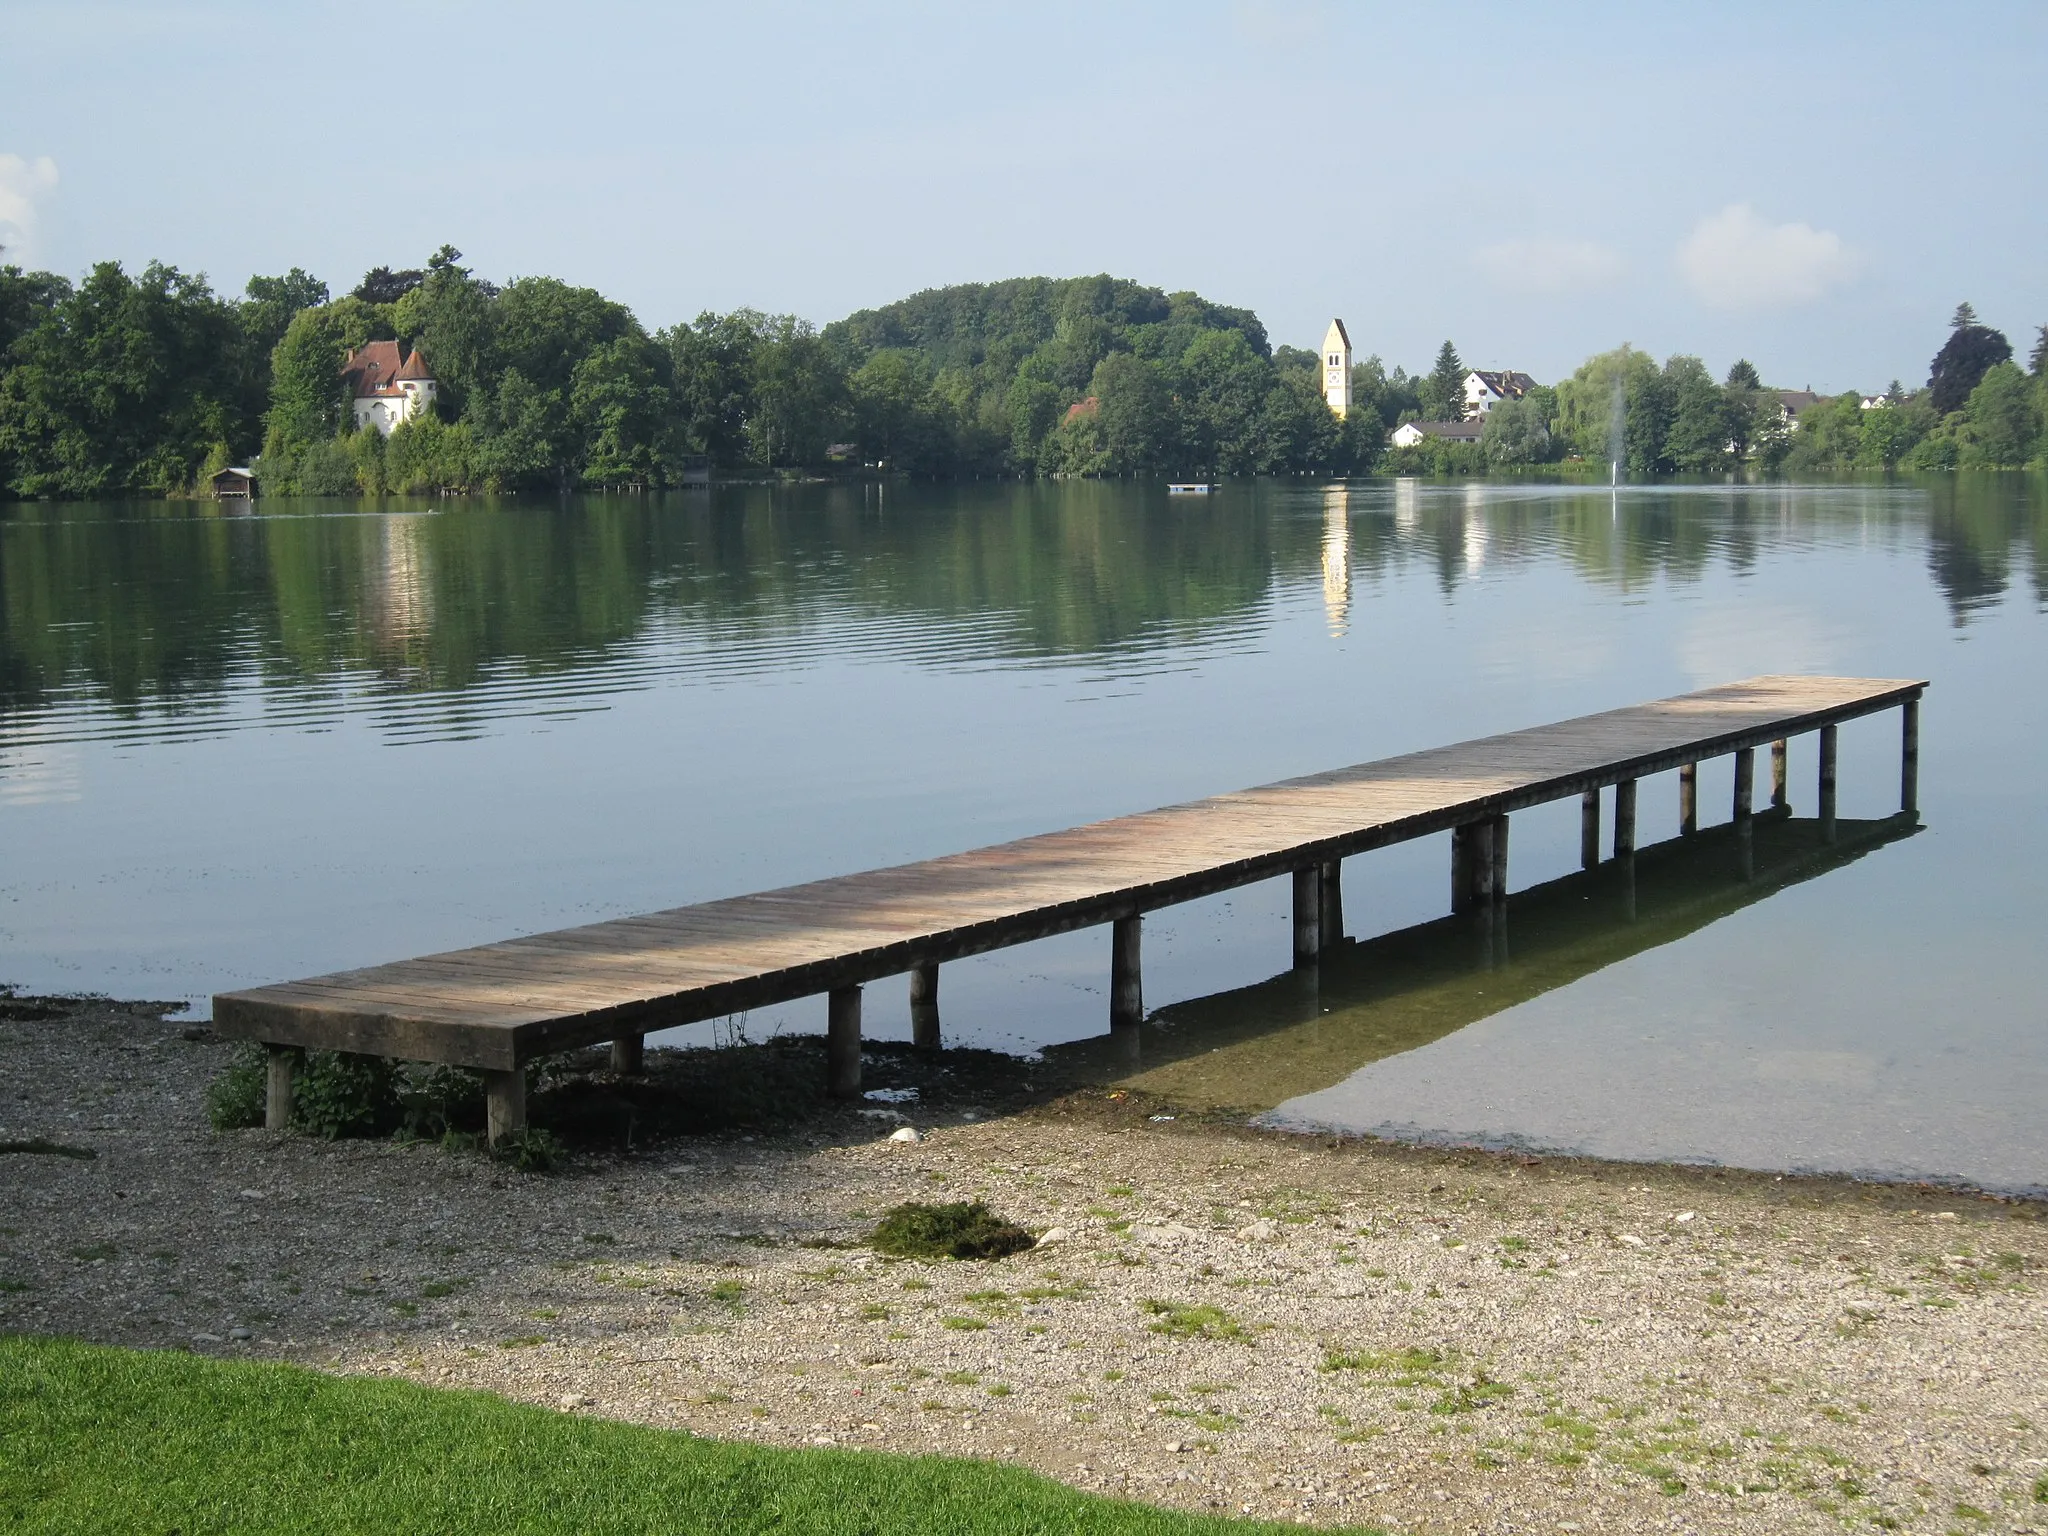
[1346, 1333]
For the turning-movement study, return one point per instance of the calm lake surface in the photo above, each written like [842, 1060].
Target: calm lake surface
[238, 748]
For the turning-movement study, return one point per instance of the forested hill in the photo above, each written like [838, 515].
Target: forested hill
[1002, 324]
[1083, 375]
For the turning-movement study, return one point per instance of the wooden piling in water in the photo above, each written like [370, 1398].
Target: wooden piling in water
[1330, 921]
[1471, 865]
[842, 1042]
[1499, 883]
[1909, 757]
[504, 1103]
[1126, 977]
[1308, 911]
[280, 1062]
[1624, 818]
[1830, 748]
[1780, 796]
[924, 1007]
[628, 1054]
[1745, 821]
[1688, 799]
[1589, 829]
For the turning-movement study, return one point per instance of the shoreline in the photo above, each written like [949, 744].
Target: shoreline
[1230, 1318]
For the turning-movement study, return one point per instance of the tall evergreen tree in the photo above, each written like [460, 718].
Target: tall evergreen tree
[1444, 394]
[1971, 351]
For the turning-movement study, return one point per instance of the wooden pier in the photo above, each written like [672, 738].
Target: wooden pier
[498, 1006]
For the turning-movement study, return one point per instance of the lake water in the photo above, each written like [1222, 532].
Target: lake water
[244, 747]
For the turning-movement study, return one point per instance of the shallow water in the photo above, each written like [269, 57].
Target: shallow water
[244, 747]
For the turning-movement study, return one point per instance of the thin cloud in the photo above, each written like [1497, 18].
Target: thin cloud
[1735, 260]
[22, 184]
[1549, 264]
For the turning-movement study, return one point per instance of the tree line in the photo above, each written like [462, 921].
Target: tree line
[146, 383]
[1978, 410]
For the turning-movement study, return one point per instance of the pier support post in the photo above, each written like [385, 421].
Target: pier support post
[1625, 819]
[1498, 882]
[924, 1007]
[1745, 824]
[1780, 797]
[505, 1103]
[1589, 829]
[1829, 755]
[1126, 975]
[628, 1053]
[1308, 915]
[842, 1042]
[1330, 922]
[1909, 757]
[1688, 799]
[1472, 865]
[280, 1061]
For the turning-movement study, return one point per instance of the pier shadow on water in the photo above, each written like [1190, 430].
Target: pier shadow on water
[1253, 1048]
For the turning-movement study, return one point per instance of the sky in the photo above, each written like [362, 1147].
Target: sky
[1814, 187]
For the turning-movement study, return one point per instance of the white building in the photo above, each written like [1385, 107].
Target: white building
[1337, 368]
[385, 387]
[1409, 433]
[1485, 388]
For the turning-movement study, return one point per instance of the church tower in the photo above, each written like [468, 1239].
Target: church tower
[1337, 368]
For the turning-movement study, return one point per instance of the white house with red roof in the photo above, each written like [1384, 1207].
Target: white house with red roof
[387, 387]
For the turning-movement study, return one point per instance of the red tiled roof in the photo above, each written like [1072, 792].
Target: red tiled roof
[1082, 408]
[376, 367]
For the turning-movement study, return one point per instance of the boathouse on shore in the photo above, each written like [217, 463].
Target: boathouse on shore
[234, 485]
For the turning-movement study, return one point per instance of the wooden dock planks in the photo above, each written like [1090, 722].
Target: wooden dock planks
[499, 1005]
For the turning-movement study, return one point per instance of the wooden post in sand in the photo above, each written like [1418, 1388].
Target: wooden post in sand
[280, 1061]
[842, 1042]
[924, 1007]
[505, 1103]
[1126, 976]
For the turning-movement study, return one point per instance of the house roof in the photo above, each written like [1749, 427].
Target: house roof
[1796, 400]
[246, 474]
[1456, 431]
[376, 368]
[1082, 408]
[1505, 382]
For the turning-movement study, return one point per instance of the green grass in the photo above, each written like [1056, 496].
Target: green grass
[97, 1439]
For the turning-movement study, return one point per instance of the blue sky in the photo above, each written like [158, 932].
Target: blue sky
[1813, 186]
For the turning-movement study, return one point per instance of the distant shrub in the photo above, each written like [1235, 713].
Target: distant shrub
[235, 1099]
[960, 1231]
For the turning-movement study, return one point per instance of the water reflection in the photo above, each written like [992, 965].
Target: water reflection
[117, 615]
[1254, 1048]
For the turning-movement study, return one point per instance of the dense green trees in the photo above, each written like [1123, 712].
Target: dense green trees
[143, 383]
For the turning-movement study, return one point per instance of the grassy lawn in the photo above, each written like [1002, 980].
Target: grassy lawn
[95, 1439]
